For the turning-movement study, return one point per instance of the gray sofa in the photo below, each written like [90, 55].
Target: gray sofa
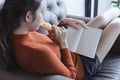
[53, 11]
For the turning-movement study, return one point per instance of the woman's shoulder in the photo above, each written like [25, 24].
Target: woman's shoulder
[32, 42]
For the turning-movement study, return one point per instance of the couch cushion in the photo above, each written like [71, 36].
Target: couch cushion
[52, 12]
[110, 69]
[23, 75]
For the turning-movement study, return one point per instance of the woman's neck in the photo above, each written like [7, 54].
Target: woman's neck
[21, 30]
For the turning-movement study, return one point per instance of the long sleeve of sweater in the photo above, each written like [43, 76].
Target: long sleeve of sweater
[68, 61]
[42, 61]
[39, 54]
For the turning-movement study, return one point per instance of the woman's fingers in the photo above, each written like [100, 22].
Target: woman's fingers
[75, 23]
[82, 23]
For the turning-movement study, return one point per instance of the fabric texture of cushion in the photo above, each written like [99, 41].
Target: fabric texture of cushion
[52, 12]
[110, 69]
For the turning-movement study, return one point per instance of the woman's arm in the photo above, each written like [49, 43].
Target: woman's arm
[74, 23]
[43, 60]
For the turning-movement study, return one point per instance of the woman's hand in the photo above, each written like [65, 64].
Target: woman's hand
[75, 23]
[58, 35]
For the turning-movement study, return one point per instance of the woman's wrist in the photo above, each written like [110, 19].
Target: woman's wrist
[64, 45]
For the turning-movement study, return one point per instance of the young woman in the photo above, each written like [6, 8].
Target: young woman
[39, 53]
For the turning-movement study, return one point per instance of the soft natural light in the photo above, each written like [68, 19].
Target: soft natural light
[75, 7]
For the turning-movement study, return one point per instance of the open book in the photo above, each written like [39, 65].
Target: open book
[84, 41]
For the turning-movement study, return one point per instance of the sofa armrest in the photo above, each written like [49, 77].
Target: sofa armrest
[86, 19]
[20, 74]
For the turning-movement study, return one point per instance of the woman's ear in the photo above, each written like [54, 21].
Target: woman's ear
[28, 17]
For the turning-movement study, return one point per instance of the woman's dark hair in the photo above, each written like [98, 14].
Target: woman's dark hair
[10, 17]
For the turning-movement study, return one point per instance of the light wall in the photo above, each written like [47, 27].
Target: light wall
[75, 7]
[103, 5]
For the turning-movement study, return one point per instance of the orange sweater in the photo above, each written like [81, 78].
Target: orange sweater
[37, 53]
